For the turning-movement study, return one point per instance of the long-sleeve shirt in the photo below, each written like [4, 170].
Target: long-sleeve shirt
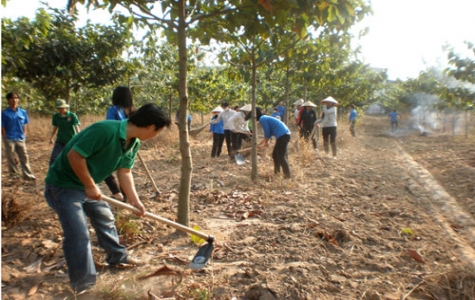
[273, 127]
[329, 119]
[218, 127]
[238, 122]
[225, 115]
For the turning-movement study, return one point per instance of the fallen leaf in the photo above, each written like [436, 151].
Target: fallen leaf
[34, 267]
[415, 255]
[165, 270]
[33, 289]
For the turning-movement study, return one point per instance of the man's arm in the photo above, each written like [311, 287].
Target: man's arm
[126, 182]
[55, 128]
[79, 166]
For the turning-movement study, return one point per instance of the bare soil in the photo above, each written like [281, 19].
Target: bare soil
[392, 218]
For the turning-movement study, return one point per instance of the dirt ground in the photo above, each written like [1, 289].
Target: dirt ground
[392, 218]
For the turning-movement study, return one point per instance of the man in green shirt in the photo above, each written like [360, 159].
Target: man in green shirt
[65, 126]
[71, 188]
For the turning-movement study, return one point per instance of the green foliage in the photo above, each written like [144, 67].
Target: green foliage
[59, 59]
[462, 68]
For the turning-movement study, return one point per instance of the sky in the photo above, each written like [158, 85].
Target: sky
[405, 36]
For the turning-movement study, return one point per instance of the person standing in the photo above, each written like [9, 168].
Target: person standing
[122, 106]
[307, 121]
[352, 119]
[275, 127]
[71, 188]
[239, 126]
[14, 124]
[217, 130]
[282, 110]
[329, 125]
[394, 119]
[297, 105]
[225, 115]
[65, 126]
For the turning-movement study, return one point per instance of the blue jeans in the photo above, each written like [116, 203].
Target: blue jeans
[72, 208]
[57, 148]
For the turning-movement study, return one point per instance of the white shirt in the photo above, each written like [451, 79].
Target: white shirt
[225, 115]
[238, 122]
[329, 120]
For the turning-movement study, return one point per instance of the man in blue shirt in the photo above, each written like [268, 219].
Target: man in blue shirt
[281, 108]
[274, 127]
[352, 119]
[394, 118]
[14, 121]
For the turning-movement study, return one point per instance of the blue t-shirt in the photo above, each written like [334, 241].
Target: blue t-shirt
[393, 116]
[115, 113]
[281, 109]
[14, 123]
[218, 127]
[273, 127]
[353, 115]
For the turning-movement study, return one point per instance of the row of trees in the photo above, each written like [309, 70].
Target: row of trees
[269, 51]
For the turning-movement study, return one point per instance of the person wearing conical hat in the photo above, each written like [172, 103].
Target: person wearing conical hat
[308, 117]
[329, 125]
[65, 126]
[217, 130]
[239, 126]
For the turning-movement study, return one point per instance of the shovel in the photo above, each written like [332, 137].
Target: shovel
[205, 251]
[239, 158]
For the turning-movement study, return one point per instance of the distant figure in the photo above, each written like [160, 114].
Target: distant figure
[394, 119]
[297, 104]
[329, 125]
[65, 126]
[276, 113]
[308, 117]
[281, 108]
[225, 115]
[14, 121]
[352, 119]
[217, 130]
[188, 120]
[239, 126]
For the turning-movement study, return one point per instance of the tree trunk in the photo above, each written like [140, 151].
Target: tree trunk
[254, 172]
[186, 160]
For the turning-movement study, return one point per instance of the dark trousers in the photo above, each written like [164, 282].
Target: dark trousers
[236, 140]
[218, 140]
[279, 155]
[227, 137]
[329, 134]
[305, 134]
[112, 185]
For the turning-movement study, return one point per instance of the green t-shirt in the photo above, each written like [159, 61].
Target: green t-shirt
[102, 145]
[66, 126]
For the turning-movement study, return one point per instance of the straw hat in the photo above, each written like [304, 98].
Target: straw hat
[330, 99]
[309, 103]
[218, 109]
[247, 107]
[299, 102]
[60, 103]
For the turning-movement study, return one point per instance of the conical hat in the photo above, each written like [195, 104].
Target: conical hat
[330, 99]
[217, 109]
[309, 103]
[247, 107]
[299, 102]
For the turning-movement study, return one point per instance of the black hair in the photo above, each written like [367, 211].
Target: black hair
[11, 94]
[122, 97]
[225, 104]
[258, 113]
[150, 114]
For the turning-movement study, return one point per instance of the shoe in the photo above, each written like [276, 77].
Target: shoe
[134, 261]
[334, 157]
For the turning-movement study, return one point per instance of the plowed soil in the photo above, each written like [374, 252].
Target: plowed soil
[393, 217]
